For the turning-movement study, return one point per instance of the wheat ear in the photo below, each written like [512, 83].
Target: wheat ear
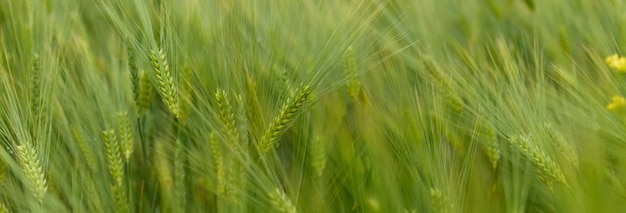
[281, 202]
[134, 73]
[548, 170]
[145, 92]
[220, 170]
[350, 71]
[283, 120]
[31, 166]
[126, 136]
[166, 81]
[114, 156]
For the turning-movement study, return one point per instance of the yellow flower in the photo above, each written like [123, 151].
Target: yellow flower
[618, 103]
[617, 63]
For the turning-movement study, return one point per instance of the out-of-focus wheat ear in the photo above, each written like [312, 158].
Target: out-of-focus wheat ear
[547, 169]
[254, 107]
[566, 150]
[33, 170]
[163, 171]
[185, 94]
[350, 68]
[179, 177]
[121, 198]
[220, 170]
[35, 93]
[227, 115]
[126, 135]
[85, 149]
[165, 80]
[492, 145]
[114, 156]
[281, 202]
[3, 208]
[94, 196]
[134, 73]
[318, 157]
[145, 92]
[286, 115]
[439, 202]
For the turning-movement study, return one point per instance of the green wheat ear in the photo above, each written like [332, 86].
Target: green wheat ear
[548, 170]
[134, 73]
[284, 119]
[492, 145]
[35, 92]
[165, 81]
[220, 170]
[350, 72]
[126, 136]
[145, 92]
[227, 115]
[114, 156]
[32, 169]
[281, 202]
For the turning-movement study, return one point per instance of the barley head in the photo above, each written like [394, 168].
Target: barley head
[165, 81]
[32, 168]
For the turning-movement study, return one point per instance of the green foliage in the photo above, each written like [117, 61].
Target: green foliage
[312, 106]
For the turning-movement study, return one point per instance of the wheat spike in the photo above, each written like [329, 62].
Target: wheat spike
[220, 170]
[281, 202]
[3, 208]
[114, 156]
[145, 92]
[134, 73]
[165, 81]
[283, 120]
[548, 170]
[31, 167]
[350, 71]
[179, 176]
[121, 198]
[227, 115]
[491, 145]
[85, 149]
[126, 136]
[438, 202]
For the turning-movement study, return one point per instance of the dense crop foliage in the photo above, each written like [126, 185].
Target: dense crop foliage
[312, 106]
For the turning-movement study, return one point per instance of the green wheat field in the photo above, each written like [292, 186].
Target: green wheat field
[407, 106]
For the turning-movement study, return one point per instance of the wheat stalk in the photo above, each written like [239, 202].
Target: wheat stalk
[31, 167]
[284, 118]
